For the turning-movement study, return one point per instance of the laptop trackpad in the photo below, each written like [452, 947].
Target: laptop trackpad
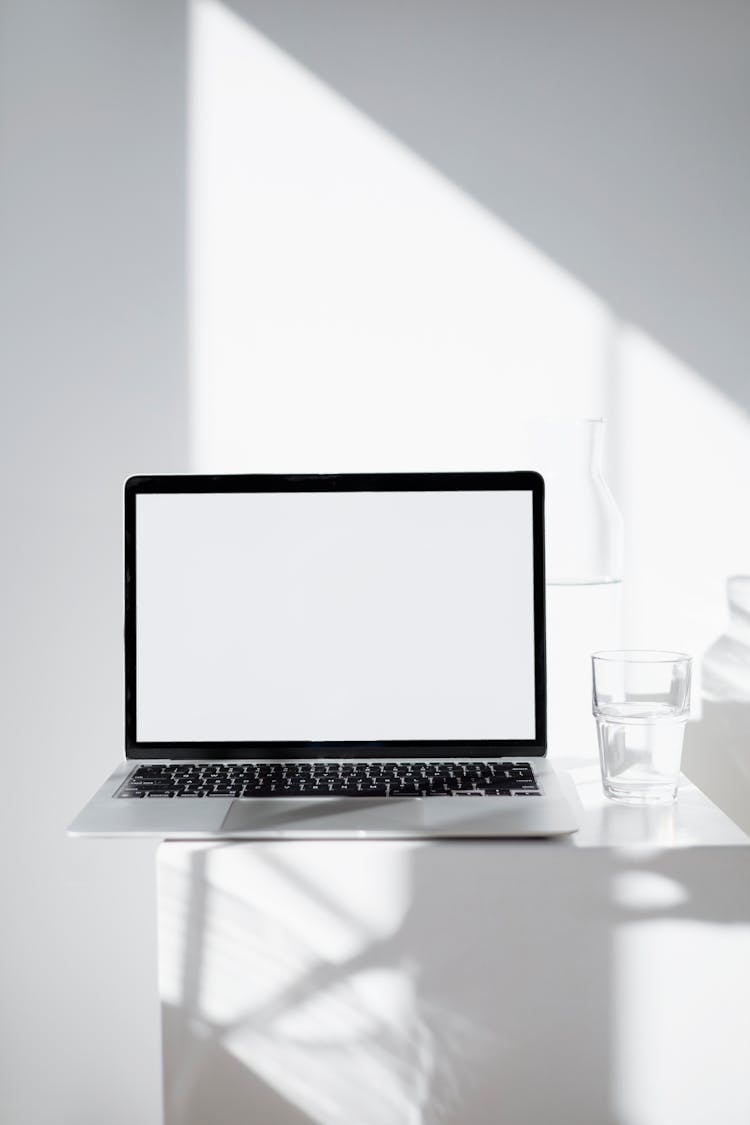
[325, 817]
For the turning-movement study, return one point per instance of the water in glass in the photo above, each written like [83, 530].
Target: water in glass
[640, 746]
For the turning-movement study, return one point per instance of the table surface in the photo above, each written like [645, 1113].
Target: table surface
[601, 978]
[691, 821]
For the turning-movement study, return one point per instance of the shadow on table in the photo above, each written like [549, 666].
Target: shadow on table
[452, 982]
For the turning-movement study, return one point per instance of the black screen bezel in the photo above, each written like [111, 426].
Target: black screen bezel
[525, 481]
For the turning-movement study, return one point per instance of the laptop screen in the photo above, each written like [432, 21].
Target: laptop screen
[341, 616]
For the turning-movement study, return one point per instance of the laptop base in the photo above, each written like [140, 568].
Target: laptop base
[550, 814]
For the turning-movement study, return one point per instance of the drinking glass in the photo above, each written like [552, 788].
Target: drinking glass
[641, 703]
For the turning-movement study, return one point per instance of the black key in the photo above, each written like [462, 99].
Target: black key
[439, 787]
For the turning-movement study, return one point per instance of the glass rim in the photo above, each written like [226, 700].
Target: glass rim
[641, 656]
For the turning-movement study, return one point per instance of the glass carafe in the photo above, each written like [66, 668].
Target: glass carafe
[584, 571]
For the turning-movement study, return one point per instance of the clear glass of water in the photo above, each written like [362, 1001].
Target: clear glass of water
[641, 703]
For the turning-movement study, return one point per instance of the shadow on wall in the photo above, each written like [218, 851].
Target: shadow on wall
[93, 353]
[608, 138]
[218, 1079]
[717, 746]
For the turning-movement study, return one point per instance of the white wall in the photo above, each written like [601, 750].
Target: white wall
[92, 356]
[580, 248]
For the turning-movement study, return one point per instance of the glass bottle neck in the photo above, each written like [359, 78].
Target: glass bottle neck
[570, 450]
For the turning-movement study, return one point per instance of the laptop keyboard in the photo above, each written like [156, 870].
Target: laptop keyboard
[331, 779]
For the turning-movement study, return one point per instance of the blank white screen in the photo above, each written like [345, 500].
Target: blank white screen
[340, 616]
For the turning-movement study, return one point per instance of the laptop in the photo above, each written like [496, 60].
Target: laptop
[334, 656]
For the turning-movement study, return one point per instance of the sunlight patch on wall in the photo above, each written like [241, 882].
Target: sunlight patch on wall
[350, 308]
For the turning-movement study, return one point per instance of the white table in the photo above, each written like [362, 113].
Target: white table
[603, 978]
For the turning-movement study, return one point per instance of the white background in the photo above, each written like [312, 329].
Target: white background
[334, 616]
[351, 310]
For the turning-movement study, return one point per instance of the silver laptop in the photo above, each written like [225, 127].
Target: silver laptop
[333, 656]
